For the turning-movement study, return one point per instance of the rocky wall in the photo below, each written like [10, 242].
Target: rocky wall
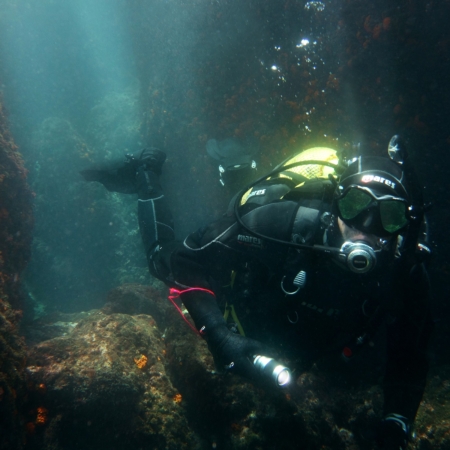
[16, 223]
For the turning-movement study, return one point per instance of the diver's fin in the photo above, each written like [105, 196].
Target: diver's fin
[229, 148]
[212, 149]
[397, 149]
[122, 179]
[153, 159]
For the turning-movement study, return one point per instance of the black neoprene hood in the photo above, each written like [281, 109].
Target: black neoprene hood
[381, 175]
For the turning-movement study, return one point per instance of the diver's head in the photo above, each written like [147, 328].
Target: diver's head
[371, 206]
[371, 196]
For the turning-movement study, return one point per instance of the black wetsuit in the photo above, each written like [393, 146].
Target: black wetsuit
[335, 311]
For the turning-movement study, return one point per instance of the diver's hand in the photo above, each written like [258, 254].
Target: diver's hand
[233, 352]
[393, 432]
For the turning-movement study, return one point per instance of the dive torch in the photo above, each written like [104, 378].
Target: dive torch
[271, 369]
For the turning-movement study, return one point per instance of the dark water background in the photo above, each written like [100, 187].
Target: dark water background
[88, 81]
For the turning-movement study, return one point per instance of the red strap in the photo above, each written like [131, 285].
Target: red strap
[175, 293]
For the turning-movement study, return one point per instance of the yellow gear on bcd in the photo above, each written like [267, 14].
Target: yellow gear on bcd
[309, 171]
[229, 308]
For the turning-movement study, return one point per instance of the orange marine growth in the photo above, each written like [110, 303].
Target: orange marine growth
[177, 398]
[42, 416]
[30, 427]
[141, 362]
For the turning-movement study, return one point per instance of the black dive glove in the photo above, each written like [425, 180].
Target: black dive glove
[394, 432]
[231, 351]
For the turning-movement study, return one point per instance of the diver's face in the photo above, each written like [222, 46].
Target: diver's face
[353, 235]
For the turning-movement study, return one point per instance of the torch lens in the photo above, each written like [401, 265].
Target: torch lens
[283, 376]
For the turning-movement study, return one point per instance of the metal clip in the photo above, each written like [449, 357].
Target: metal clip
[299, 281]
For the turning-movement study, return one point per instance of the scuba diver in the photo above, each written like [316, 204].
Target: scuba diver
[327, 250]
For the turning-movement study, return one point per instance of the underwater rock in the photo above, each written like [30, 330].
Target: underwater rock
[12, 377]
[105, 384]
[53, 325]
[138, 299]
[433, 418]
[16, 224]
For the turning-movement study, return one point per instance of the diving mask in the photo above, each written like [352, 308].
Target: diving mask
[360, 207]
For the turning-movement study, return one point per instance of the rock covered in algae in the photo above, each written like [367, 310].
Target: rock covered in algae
[138, 299]
[433, 419]
[105, 384]
[16, 224]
